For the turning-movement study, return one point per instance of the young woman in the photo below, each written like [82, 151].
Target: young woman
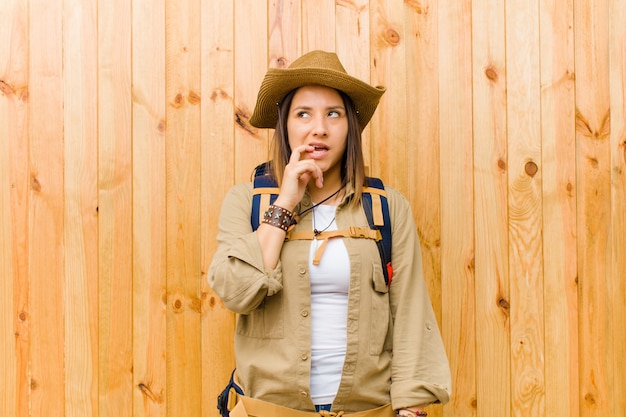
[319, 327]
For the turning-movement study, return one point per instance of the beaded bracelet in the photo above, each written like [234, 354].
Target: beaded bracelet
[278, 217]
[418, 413]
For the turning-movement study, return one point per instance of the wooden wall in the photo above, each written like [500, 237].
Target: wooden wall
[123, 123]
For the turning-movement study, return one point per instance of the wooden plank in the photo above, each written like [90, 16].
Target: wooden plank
[422, 140]
[457, 205]
[149, 208]
[593, 202]
[115, 210]
[46, 255]
[318, 25]
[352, 28]
[559, 207]
[493, 352]
[218, 172]
[183, 156]
[285, 32]
[617, 263]
[14, 182]
[525, 205]
[251, 63]
[80, 229]
[388, 126]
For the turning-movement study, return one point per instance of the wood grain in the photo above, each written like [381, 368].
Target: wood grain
[593, 189]
[47, 378]
[14, 202]
[218, 324]
[115, 210]
[251, 63]
[80, 228]
[525, 204]
[617, 242]
[457, 205]
[183, 189]
[149, 283]
[559, 207]
[493, 297]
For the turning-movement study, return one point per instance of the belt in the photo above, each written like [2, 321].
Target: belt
[251, 407]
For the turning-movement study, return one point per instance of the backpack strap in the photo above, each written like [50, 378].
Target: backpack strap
[376, 209]
[224, 400]
[375, 205]
[265, 193]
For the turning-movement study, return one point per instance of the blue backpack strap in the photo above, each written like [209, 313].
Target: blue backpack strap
[376, 209]
[264, 184]
[223, 398]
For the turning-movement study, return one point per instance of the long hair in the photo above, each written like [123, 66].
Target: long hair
[352, 163]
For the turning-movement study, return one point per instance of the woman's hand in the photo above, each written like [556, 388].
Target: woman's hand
[298, 173]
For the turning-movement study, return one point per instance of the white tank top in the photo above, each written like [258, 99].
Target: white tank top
[330, 283]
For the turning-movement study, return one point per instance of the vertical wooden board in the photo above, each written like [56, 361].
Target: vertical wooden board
[183, 156]
[559, 206]
[525, 205]
[493, 355]
[115, 210]
[352, 31]
[422, 138]
[149, 209]
[617, 242]
[389, 124]
[457, 211]
[318, 25]
[218, 172]
[593, 169]
[46, 255]
[15, 181]
[251, 63]
[285, 32]
[80, 229]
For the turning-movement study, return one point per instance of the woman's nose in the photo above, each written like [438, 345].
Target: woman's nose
[320, 128]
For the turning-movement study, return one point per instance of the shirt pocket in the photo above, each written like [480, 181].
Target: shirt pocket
[379, 318]
[264, 322]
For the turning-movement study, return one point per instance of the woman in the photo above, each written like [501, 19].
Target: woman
[321, 329]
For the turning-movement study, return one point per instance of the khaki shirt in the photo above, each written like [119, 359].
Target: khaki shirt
[394, 349]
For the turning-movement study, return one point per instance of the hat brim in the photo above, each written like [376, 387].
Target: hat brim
[279, 82]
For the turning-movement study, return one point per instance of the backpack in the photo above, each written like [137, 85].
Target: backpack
[375, 205]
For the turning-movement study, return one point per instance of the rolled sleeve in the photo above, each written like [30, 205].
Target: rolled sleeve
[237, 274]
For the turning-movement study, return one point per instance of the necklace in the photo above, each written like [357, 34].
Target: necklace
[302, 213]
[318, 232]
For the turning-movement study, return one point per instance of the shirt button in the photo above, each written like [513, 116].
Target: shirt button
[304, 313]
[303, 393]
[304, 356]
[302, 271]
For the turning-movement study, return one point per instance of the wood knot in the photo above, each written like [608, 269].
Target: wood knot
[6, 89]
[491, 74]
[501, 164]
[504, 304]
[35, 184]
[193, 98]
[392, 37]
[161, 126]
[178, 101]
[177, 305]
[531, 168]
[242, 118]
[22, 316]
[281, 62]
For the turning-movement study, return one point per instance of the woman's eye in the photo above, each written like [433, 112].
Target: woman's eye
[303, 114]
[334, 113]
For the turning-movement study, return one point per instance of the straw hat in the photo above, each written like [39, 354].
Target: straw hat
[313, 68]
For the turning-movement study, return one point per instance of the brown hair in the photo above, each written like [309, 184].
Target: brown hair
[352, 163]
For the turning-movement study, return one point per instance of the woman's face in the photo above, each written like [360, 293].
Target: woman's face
[317, 117]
